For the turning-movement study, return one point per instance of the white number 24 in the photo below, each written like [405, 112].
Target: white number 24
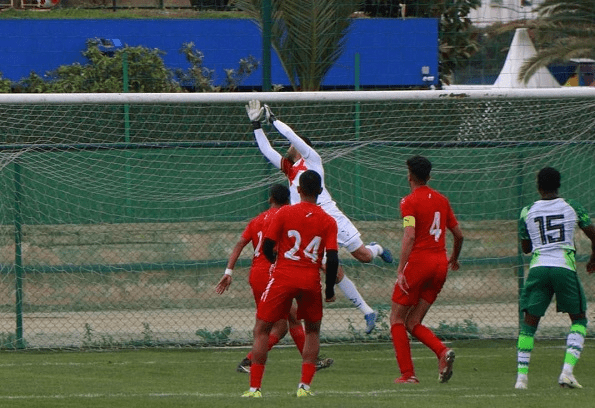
[311, 251]
[435, 229]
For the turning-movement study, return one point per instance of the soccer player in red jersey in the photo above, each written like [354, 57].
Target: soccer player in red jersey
[259, 276]
[301, 233]
[422, 270]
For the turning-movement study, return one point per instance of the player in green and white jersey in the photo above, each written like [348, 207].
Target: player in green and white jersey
[546, 229]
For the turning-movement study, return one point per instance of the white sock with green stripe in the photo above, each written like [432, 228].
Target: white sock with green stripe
[574, 346]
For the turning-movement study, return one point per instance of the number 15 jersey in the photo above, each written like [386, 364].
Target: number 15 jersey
[550, 225]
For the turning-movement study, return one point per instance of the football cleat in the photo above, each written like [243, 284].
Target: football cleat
[568, 381]
[407, 379]
[386, 255]
[370, 321]
[244, 366]
[252, 394]
[303, 392]
[522, 382]
[324, 363]
[445, 365]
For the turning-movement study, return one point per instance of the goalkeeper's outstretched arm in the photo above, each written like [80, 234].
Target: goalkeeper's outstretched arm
[305, 150]
[266, 149]
[255, 111]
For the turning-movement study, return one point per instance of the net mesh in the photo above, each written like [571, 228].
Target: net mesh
[117, 220]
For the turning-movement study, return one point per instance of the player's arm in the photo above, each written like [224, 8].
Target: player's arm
[453, 261]
[590, 233]
[226, 279]
[306, 151]
[526, 244]
[332, 268]
[254, 111]
[268, 249]
[406, 248]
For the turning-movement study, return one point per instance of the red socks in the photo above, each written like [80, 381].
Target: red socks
[308, 370]
[427, 337]
[402, 348]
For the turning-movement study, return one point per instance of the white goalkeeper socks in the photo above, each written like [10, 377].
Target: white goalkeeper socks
[376, 249]
[351, 292]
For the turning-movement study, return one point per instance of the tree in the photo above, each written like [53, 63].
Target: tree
[307, 35]
[564, 29]
[146, 73]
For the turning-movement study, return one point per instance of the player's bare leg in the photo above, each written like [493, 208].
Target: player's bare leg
[367, 253]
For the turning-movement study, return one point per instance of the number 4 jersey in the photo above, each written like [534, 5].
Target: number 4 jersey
[550, 225]
[430, 213]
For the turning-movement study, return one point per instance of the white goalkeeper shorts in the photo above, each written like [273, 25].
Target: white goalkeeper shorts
[348, 236]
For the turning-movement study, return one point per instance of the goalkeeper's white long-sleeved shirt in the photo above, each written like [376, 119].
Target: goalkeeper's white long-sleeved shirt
[310, 160]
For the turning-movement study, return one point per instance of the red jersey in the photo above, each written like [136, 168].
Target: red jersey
[254, 231]
[431, 213]
[302, 232]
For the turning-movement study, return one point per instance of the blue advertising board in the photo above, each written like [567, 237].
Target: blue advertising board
[392, 52]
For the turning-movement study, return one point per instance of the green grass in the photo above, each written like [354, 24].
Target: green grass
[362, 376]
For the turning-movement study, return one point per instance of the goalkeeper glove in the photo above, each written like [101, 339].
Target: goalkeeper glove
[269, 116]
[254, 112]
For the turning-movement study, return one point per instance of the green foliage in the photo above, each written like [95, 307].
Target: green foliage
[8, 341]
[215, 337]
[146, 73]
[307, 35]
[202, 77]
[467, 330]
[564, 30]
[4, 84]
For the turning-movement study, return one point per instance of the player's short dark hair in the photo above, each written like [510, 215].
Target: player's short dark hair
[310, 183]
[307, 140]
[279, 194]
[420, 167]
[548, 179]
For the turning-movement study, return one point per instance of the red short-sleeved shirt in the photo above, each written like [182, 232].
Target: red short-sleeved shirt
[433, 215]
[303, 232]
[260, 269]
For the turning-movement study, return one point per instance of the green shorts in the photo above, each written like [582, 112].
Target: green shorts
[545, 281]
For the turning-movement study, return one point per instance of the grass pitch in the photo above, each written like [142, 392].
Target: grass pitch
[362, 376]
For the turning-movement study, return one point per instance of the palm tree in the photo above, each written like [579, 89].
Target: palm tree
[564, 29]
[307, 35]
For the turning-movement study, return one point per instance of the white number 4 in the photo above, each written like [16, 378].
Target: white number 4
[435, 228]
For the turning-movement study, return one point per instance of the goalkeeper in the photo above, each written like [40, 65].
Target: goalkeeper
[301, 157]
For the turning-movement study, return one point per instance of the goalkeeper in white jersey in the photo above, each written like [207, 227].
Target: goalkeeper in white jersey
[299, 158]
[546, 229]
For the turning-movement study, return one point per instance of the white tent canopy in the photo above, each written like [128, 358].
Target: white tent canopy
[521, 49]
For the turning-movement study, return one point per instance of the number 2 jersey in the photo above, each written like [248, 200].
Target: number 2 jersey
[429, 212]
[550, 225]
[302, 232]
[254, 231]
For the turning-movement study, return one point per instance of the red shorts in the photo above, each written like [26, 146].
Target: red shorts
[276, 301]
[425, 274]
[259, 279]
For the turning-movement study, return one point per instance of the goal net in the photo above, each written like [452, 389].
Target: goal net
[120, 211]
